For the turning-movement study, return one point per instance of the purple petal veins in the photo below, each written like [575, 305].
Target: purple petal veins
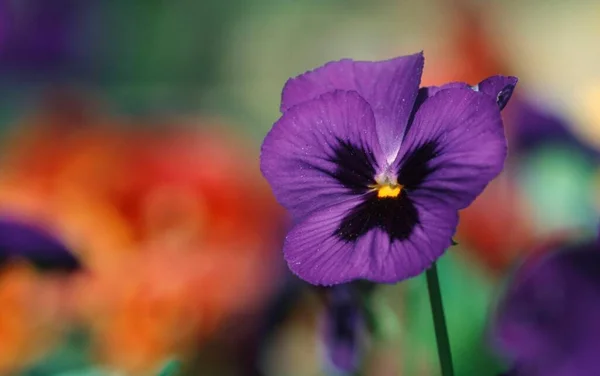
[374, 170]
[390, 87]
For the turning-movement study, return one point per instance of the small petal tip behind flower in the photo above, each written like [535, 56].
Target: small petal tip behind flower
[499, 87]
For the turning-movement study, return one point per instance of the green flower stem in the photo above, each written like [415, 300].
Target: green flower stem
[439, 321]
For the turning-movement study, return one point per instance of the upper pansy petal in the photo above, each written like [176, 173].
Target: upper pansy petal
[321, 152]
[380, 240]
[453, 149]
[429, 91]
[498, 87]
[390, 87]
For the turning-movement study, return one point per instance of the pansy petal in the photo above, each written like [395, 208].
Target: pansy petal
[498, 87]
[427, 92]
[390, 87]
[454, 148]
[321, 152]
[377, 240]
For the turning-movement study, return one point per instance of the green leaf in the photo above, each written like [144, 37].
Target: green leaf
[93, 371]
[72, 354]
[170, 368]
[558, 182]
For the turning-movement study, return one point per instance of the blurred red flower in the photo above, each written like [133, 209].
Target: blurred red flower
[497, 227]
[174, 225]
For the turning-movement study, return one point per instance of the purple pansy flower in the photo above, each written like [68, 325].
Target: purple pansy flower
[343, 329]
[374, 170]
[19, 240]
[547, 322]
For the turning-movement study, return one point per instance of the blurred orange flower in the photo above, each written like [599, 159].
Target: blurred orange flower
[175, 227]
[31, 315]
[470, 53]
[163, 302]
[207, 182]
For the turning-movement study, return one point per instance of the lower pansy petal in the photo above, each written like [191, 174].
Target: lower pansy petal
[380, 240]
[321, 152]
[454, 148]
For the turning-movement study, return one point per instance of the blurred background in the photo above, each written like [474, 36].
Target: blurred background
[130, 134]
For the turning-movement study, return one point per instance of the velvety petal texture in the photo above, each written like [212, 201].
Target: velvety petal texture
[19, 240]
[547, 322]
[454, 148]
[374, 170]
[321, 152]
[390, 87]
[390, 242]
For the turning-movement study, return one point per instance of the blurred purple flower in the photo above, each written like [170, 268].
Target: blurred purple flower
[39, 35]
[343, 329]
[19, 240]
[547, 323]
[534, 125]
[374, 170]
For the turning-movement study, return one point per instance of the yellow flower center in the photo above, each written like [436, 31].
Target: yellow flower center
[388, 190]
